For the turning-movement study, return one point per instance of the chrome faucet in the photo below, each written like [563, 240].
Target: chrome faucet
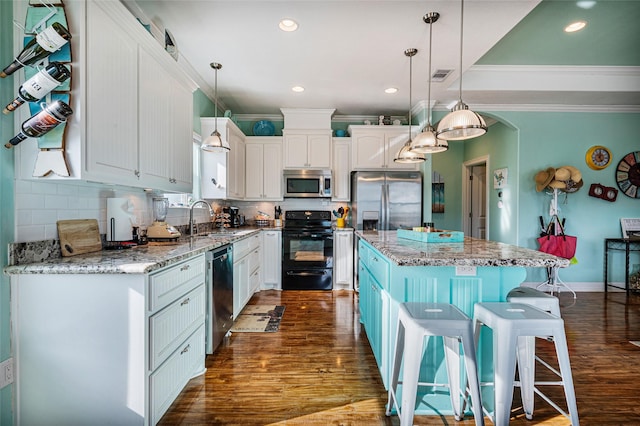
[191, 222]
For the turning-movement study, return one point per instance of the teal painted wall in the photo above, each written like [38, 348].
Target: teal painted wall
[6, 200]
[449, 165]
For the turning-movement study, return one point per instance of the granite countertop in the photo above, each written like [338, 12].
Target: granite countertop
[471, 252]
[137, 260]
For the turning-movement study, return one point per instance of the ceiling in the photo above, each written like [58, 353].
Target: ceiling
[346, 52]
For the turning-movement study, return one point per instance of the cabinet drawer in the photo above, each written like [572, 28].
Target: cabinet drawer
[379, 268]
[363, 252]
[169, 327]
[254, 260]
[241, 249]
[169, 284]
[166, 383]
[254, 241]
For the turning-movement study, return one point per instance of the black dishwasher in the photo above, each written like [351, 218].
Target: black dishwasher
[220, 295]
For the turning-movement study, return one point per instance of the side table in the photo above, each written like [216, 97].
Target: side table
[619, 244]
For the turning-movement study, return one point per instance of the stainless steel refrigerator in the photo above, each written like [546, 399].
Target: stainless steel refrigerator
[386, 200]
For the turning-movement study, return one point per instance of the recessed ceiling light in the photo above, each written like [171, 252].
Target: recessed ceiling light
[297, 89]
[586, 4]
[391, 90]
[575, 26]
[288, 25]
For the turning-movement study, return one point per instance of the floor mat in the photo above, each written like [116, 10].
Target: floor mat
[258, 319]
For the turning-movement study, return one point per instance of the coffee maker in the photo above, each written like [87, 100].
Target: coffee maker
[234, 216]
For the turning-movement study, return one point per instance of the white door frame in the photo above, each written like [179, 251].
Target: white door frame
[466, 207]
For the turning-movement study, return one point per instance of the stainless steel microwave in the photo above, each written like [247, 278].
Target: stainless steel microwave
[307, 183]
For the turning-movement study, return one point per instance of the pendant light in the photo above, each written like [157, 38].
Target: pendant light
[214, 142]
[405, 155]
[461, 123]
[427, 142]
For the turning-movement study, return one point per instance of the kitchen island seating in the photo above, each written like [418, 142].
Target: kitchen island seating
[512, 324]
[415, 322]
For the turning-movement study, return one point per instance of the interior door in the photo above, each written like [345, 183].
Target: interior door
[478, 201]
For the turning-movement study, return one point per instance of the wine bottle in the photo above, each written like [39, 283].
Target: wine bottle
[42, 45]
[39, 85]
[44, 121]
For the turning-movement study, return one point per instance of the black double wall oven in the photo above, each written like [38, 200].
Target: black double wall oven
[307, 250]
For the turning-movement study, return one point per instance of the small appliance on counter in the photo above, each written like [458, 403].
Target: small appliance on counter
[161, 231]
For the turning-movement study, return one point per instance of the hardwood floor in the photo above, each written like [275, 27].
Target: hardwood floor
[318, 369]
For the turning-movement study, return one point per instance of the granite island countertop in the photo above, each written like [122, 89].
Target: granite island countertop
[138, 260]
[471, 252]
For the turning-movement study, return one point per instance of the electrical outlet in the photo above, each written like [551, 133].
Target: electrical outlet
[6, 372]
[466, 270]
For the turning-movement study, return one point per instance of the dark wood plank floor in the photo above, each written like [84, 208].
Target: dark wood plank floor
[318, 369]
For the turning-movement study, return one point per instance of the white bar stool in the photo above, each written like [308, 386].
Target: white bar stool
[511, 324]
[527, 356]
[415, 321]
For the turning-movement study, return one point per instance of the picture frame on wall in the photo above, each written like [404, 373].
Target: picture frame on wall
[437, 197]
[500, 177]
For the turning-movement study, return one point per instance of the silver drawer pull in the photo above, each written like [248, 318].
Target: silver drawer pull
[185, 267]
[186, 349]
[185, 302]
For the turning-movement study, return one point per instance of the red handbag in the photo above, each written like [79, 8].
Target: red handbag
[560, 245]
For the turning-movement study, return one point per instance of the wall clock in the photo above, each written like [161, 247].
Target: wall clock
[598, 157]
[628, 174]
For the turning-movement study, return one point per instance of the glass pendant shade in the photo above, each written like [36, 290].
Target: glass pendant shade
[407, 156]
[461, 123]
[428, 143]
[214, 143]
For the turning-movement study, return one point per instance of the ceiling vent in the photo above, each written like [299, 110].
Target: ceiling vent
[440, 75]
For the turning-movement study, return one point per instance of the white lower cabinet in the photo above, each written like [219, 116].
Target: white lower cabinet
[106, 348]
[246, 271]
[343, 259]
[271, 259]
[341, 190]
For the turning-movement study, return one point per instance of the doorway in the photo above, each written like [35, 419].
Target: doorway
[475, 195]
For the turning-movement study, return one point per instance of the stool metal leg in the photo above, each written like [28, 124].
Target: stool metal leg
[472, 375]
[397, 363]
[452, 357]
[412, 358]
[562, 352]
[527, 372]
[504, 365]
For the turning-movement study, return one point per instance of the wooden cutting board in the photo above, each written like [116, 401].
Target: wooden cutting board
[79, 236]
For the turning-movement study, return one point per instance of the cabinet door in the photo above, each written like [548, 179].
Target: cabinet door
[155, 130]
[272, 181]
[271, 260]
[319, 151]
[112, 99]
[254, 184]
[343, 259]
[240, 285]
[181, 137]
[295, 151]
[341, 170]
[368, 151]
[394, 142]
[236, 159]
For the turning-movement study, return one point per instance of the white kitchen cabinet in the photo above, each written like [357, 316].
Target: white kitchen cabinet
[307, 149]
[121, 346]
[222, 174]
[246, 271]
[341, 184]
[375, 147]
[343, 259]
[263, 168]
[271, 259]
[126, 91]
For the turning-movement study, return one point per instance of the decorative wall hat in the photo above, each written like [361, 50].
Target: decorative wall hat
[544, 177]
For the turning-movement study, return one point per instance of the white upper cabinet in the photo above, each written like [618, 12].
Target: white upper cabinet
[307, 149]
[263, 168]
[341, 169]
[133, 105]
[222, 174]
[375, 147]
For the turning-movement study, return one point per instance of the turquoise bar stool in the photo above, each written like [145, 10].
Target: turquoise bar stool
[415, 322]
[512, 325]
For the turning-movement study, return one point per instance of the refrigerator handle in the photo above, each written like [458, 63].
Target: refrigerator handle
[384, 208]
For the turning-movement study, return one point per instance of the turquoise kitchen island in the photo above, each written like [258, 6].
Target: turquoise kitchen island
[394, 270]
